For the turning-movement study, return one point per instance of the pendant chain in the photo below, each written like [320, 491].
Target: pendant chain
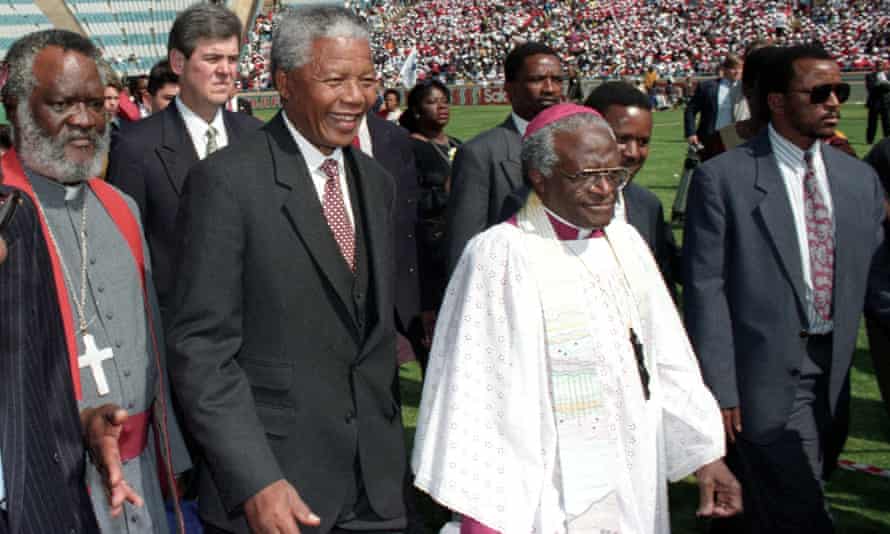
[79, 304]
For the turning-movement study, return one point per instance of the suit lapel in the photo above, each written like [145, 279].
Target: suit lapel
[775, 211]
[303, 209]
[177, 152]
[511, 166]
[844, 220]
[374, 206]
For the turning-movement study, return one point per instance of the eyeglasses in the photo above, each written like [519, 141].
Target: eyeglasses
[821, 93]
[616, 177]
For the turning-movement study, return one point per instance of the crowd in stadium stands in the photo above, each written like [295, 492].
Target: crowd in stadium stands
[466, 42]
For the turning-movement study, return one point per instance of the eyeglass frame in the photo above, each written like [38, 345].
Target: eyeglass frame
[833, 88]
[578, 179]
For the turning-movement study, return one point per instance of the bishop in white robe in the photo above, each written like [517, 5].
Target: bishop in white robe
[562, 393]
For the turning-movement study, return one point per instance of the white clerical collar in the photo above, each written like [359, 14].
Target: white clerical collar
[197, 127]
[313, 156]
[583, 233]
[521, 124]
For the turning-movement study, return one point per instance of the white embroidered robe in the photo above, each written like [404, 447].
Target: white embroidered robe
[487, 440]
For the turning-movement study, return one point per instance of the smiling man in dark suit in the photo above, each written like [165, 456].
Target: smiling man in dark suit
[153, 156]
[487, 168]
[629, 112]
[283, 343]
[783, 249]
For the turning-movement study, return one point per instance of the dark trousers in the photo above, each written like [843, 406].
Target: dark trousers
[783, 481]
[882, 110]
[210, 529]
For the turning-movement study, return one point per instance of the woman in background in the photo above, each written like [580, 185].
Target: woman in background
[425, 118]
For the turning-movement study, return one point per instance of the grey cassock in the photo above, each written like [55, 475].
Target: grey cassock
[116, 313]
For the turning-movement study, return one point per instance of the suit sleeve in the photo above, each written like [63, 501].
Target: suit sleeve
[666, 252]
[877, 304]
[206, 336]
[126, 172]
[693, 108]
[705, 302]
[467, 213]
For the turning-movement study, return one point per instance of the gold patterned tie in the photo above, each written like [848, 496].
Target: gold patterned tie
[211, 141]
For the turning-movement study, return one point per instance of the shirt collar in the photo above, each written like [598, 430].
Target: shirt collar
[788, 150]
[521, 124]
[313, 156]
[197, 126]
[567, 231]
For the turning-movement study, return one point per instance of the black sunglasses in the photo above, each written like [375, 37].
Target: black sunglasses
[821, 93]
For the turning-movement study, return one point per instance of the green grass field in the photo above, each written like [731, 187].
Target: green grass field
[861, 503]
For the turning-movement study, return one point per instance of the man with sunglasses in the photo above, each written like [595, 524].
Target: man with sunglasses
[562, 392]
[783, 246]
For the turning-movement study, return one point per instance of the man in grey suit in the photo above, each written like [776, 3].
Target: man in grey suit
[487, 168]
[784, 248]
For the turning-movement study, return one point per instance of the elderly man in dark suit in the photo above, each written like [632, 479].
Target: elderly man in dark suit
[714, 101]
[42, 486]
[486, 168]
[783, 249]
[629, 113]
[282, 341]
[153, 156]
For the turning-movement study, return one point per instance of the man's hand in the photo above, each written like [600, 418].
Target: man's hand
[719, 493]
[2, 250]
[692, 140]
[102, 428]
[277, 509]
[732, 422]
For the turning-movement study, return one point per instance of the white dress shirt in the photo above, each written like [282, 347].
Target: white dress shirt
[521, 124]
[314, 158]
[364, 137]
[197, 128]
[725, 104]
[790, 160]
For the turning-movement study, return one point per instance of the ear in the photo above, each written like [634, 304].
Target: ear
[776, 102]
[508, 90]
[281, 84]
[537, 180]
[177, 61]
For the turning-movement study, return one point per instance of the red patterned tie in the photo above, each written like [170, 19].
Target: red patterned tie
[335, 212]
[821, 241]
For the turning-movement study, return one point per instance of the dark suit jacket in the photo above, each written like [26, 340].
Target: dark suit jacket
[40, 433]
[744, 293]
[876, 96]
[703, 102]
[645, 213]
[486, 170]
[150, 163]
[282, 363]
[393, 151]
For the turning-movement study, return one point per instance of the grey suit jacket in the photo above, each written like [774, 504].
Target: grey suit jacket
[744, 293]
[486, 170]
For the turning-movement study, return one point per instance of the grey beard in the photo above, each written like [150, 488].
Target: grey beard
[46, 155]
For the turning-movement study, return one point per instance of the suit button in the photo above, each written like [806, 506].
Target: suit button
[92, 261]
[56, 457]
[410, 236]
[72, 530]
[804, 334]
[101, 289]
[349, 417]
[127, 373]
[359, 296]
[109, 316]
[411, 270]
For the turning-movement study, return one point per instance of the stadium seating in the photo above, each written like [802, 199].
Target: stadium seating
[18, 18]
